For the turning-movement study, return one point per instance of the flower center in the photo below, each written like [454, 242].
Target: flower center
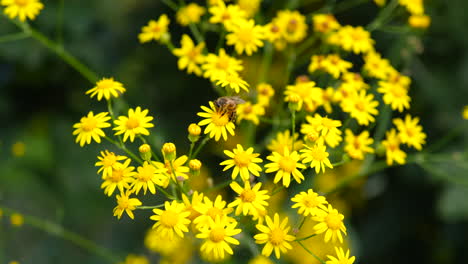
[310, 202]
[220, 119]
[89, 124]
[145, 174]
[105, 85]
[357, 144]
[116, 175]
[217, 234]
[193, 54]
[248, 196]
[333, 221]
[274, 29]
[225, 16]
[287, 164]
[242, 159]
[276, 236]
[319, 155]
[132, 123]
[169, 218]
[22, 2]
[109, 160]
[223, 63]
[245, 35]
[248, 109]
[213, 212]
[155, 29]
[292, 26]
[360, 106]
[123, 203]
[398, 91]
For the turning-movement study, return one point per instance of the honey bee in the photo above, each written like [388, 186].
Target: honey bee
[228, 105]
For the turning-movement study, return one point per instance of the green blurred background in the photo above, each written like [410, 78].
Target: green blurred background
[411, 213]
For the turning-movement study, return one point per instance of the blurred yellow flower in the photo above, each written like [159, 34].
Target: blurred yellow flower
[18, 149]
[330, 223]
[245, 36]
[392, 147]
[126, 204]
[190, 13]
[22, 8]
[342, 258]
[190, 56]
[419, 21]
[17, 219]
[358, 145]
[156, 30]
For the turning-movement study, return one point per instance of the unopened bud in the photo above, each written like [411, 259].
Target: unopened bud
[194, 131]
[195, 166]
[169, 151]
[293, 100]
[145, 152]
[312, 136]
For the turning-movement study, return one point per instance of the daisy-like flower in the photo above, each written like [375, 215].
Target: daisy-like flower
[250, 7]
[250, 112]
[317, 156]
[245, 36]
[309, 95]
[153, 240]
[220, 13]
[376, 66]
[180, 171]
[342, 257]
[392, 146]
[354, 79]
[146, 177]
[394, 95]
[292, 24]
[22, 8]
[243, 161]
[325, 23]
[136, 123]
[172, 220]
[121, 178]
[355, 39]
[190, 13]
[415, 7]
[197, 199]
[250, 200]
[330, 223]
[217, 236]
[410, 132]
[217, 123]
[358, 145]
[106, 88]
[155, 29]
[309, 203]
[233, 81]
[126, 204]
[90, 127]
[331, 64]
[210, 210]
[326, 127]
[284, 140]
[219, 66]
[274, 235]
[107, 161]
[361, 106]
[285, 165]
[190, 56]
[264, 93]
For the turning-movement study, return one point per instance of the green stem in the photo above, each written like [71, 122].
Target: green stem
[453, 133]
[304, 238]
[339, 163]
[301, 223]
[196, 33]
[150, 207]
[192, 145]
[166, 193]
[310, 252]
[13, 37]
[57, 230]
[383, 16]
[200, 146]
[221, 39]
[176, 181]
[122, 147]
[277, 190]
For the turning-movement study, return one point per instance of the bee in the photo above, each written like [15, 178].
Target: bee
[228, 105]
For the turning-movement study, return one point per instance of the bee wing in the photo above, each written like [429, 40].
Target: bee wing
[237, 99]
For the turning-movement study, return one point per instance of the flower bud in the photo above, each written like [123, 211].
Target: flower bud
[195, 166]
[194, 132]
[312, 136]
[169, 151]
[293, 100]
[145, 152]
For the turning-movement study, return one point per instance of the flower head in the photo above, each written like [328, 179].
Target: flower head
[410, 132]
[358, 145]
[233, 81]
[250, 200]
[355, 39]
[106, 88]
[135, 123]
[190, 13]
[326, 128]
[292, 25]
[330, 223]
[90, 127]
[220, 13]
[415, 7]
[342, 257]
[392, 146]
[243, 161]
[121, 178]
[285, 165]
[154, 30]
[465, 112]
[146, 177]
[217, 235]
[108, 161]
[317, 156]
[245, 36]
[309, 203]
[211, 210]
[419, 21]
[190, 56]
[172, 220]
[249, 111]
[264, 93]
[126, 204]
[175, 169]
[325, 23]
[284, 140]
[219, 66]
[394, 95]
[22, 8]
[274, 235]
[361, 106]
[217, 123]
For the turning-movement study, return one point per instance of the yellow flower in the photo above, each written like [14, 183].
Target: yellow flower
[250, 112]
[415, 7]
[218, 234]
[309, 203]
[134, 259]
[325, 23]
[18, 149]
[317, 156]
[272, 31]
[250, 200]
[355, 39]
[190, 13]
[331, 64]
[190, 56]
[106, 88]
[361, 106]
[284, 140]
[465, 112]
[419, 21]
[342, 257]
[90, 127]
[127, 204]
[234, 81]
[173, 219]
[380, 2]
[327, 127]
[293, 25]
[108, 161]
[155, 29]
[330, 223]
[197, 200]
[355, 80]
[221, 65]
[410, 132]
[358, 146]
[211, 210]
[376, 66]
[220, 13]
[243, 161]
[217, 123]
[22, 8]
[153, 240]
[310, 95]
[250, 7]
[392, 147]
[264, 93]
[121, 178]
[394, 95]
[285, 165]
[179, 173]
[245, 36]
[17, 219]
[135, 124]
[274, 235]
[260, 259]
[146, 177]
